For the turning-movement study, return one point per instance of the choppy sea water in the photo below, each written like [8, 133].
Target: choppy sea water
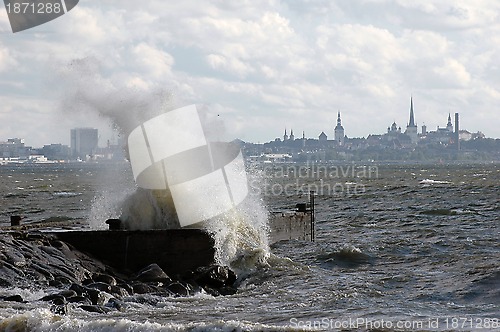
[414, 247]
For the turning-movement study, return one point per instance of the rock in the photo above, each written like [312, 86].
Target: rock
[89, 281]
[178, 289]
[227, 290]
[61, 295]
[95, 296]
[68, 293]
[214, 276]
[119, 291]
[79, 299]
[51, 297]
[59, 300]
[153, 272]
[79, 289]
[62, 281]
[142, 288]
[63, 247]
[13, 298]
[105, 278]
[60, 309]
[116, 304]
[100, 286]
[95, 308]
[127, 287]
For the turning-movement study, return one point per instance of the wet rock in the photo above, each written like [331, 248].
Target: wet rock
[227, 290]
[142, 288]
[79, 299]
[51, 297]
[61, 295]
[64, 249]
[153, 272]
[95, 296]
[78, 289]
[178, 289]
[116, 304]
[13, 298]
[59, 300]
[95, 308]
[214, 276]
[86, 282]
[62, 280]
[60, 309]
[127, 287]
[100, 286]
[119, 291]
[105, 278]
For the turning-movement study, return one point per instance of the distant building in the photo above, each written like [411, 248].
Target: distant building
[292, 137]
[14, 148]
[56, 151]
[322, 137]
[83, 142]
[339, 132]
[449, 125]
[285, 137]
[411, 128]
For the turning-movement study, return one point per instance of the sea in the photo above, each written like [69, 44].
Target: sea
[398, 247]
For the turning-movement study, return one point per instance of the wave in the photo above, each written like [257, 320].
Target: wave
[430, 181]
[349, 256]
[44, 320]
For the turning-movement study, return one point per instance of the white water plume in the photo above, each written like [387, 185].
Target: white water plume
[240, 235]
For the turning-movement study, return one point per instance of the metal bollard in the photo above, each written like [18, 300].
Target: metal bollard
[15, 220]
[114, 224]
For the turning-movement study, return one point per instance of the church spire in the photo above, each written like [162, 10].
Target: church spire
[339, 121]
[412, 117]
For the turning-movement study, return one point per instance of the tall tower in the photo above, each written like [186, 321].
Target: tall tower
[449, 125]
[285, 137]
[457, 132]
[339, 131]
[83, 142]
[292, 137]
[411, 128]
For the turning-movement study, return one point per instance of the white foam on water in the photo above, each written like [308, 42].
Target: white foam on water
[430, 181]
[44, 320]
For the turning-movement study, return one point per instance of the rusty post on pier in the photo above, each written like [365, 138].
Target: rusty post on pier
[311, 202]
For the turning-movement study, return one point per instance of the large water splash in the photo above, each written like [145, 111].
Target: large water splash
[240, 235]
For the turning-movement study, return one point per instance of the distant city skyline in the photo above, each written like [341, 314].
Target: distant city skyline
[260, 66]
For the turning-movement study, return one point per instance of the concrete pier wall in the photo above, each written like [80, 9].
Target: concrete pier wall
[175, 251]
[290, 226]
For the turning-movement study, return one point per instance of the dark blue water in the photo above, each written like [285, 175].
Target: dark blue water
[416, 247]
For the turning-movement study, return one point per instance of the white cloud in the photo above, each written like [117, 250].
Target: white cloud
[273, 64]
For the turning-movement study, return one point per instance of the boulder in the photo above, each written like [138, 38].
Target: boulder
[153, 272]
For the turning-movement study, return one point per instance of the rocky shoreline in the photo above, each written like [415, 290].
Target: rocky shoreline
[37, 260]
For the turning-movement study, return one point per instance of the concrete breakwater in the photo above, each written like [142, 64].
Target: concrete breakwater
[95, 270]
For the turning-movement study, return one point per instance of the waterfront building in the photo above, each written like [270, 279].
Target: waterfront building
[84, 142]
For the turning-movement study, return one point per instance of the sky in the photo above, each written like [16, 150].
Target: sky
[259, 66]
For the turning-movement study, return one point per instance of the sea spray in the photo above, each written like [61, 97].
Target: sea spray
[240, 235]
[149, 209]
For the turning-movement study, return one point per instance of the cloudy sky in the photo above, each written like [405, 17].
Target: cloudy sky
[260, 66]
